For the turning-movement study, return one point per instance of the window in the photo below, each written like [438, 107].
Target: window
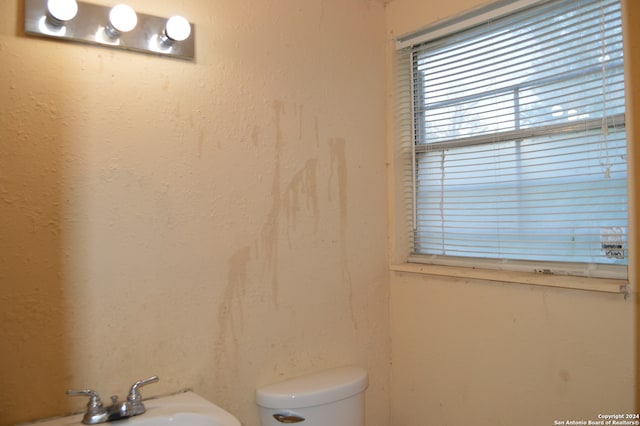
[517, 135]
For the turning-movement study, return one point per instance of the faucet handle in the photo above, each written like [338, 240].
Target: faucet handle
[95, 411]
[94, 400]
[134, 394]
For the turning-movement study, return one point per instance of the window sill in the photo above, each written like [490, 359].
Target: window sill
[547, 280]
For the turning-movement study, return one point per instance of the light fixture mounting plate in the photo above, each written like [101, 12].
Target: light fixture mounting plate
[89, 24]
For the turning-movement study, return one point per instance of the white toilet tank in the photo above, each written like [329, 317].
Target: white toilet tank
[329, 398]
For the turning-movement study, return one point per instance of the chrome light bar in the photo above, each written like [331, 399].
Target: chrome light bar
[116, 27]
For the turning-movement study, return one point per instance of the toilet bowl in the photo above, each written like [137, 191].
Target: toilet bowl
[332, 397]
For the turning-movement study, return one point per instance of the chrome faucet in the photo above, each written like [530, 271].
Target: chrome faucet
[97, 413]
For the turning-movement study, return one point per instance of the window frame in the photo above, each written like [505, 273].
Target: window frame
[530, 272]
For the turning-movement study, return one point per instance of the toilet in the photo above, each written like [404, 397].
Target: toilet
[328, 398]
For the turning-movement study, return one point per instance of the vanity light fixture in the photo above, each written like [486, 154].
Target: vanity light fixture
[117, 27]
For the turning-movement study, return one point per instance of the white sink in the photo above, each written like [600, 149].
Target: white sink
[183, 409]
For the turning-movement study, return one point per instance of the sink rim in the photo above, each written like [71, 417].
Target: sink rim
[186, 402]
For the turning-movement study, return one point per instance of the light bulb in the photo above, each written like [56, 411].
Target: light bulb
[177, 28]
[62, 10]
[123, 18]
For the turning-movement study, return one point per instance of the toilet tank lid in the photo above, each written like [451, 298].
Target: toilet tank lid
[314, 389]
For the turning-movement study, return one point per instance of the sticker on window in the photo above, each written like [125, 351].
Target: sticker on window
[612, 242]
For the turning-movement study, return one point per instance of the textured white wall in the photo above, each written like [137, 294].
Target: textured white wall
[220, 223]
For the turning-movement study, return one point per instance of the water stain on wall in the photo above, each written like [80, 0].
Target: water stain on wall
[339, 173]
[564, 375]
[255, 135]
[339, 166]
[230, 310]
[200, 143]
[287, 200]
[270, 229]
[300, 113]
[294, 203]
[303, 184]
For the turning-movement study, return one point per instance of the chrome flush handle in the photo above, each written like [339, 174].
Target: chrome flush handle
[288, 418]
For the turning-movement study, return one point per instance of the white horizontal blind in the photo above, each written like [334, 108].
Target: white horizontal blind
[403, 135]
[519, 138]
